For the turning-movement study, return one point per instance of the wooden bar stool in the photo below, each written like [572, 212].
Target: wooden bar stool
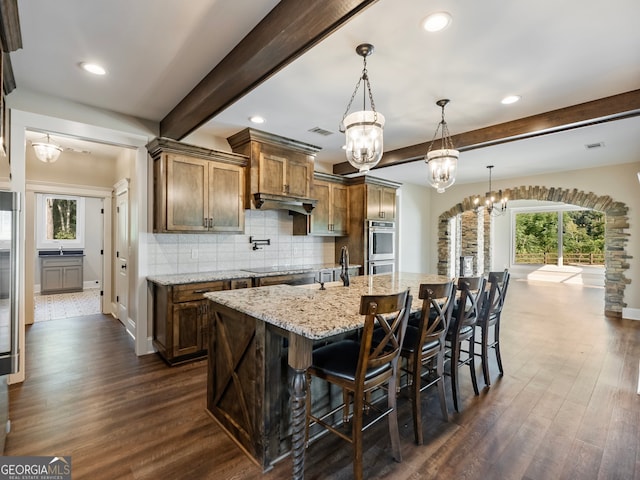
[359, 367]
[490, 319]
[424, 348]
[462, 329]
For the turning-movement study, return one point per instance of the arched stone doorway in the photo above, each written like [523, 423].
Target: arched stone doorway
[616, 234]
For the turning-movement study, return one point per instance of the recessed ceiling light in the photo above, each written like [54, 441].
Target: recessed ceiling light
[509, 99]
[437, 21]
[256, 119]
[93, 68]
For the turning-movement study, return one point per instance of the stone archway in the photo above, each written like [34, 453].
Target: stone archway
[615, 239]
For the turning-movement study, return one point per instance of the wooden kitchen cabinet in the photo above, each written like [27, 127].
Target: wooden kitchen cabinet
[181, 318]
[370, 198]
[381, 202]
[197, 190]
[280, 173]
[331, 215]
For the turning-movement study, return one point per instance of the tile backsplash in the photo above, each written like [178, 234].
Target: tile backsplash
[191, 253]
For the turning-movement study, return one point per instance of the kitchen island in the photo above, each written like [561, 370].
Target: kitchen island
[254, 333]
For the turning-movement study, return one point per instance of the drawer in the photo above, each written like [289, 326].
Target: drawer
[241, 283]
[194, 291]
[61, 262]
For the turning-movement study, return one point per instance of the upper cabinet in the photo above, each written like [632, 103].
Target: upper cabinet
[330, 217]
[381, 202]
[196, 189]
[280, 173]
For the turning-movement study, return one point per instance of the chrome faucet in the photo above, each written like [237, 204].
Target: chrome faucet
[61, 250]
[344, 262]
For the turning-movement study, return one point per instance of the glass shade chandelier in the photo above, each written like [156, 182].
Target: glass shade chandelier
[363, 129]
[443, 161]
[495, 206]
[46, 151]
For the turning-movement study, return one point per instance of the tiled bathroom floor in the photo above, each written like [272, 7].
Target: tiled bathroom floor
[66, 305]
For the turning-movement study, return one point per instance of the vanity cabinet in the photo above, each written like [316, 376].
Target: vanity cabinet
[381, 202]
[330, 217]
[197, 190]
[61, 274]
[181, 318]
[280, 173]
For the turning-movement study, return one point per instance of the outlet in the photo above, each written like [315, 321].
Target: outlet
[194, 254]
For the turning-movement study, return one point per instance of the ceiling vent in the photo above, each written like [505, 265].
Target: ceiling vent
[321, 131]
[590, 146]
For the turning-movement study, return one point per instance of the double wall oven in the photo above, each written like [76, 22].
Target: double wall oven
[381, 247]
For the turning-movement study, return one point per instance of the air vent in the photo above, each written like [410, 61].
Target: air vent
[321, 131]
[589, 146]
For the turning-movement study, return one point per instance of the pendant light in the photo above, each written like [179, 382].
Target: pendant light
[443, 161]
[494, 206]
[46, 152]
[363, 129]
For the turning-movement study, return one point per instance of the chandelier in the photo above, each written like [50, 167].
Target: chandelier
[443, 161]
[46, 152]
[363, 129]
[494, 206]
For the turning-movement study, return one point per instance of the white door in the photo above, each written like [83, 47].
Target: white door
[122, 257]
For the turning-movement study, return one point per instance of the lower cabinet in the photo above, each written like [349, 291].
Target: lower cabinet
[61, 274]
[181, 318]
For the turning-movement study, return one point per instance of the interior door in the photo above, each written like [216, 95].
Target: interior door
[122, 257]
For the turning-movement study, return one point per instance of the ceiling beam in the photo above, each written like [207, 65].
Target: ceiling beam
[597, 111]
[289, 30]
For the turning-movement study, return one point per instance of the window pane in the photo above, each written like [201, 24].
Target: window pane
[536, 238]
[61, 219]
[583, 238]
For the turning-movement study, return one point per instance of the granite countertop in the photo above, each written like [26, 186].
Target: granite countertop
[184, 278]
[314, 313]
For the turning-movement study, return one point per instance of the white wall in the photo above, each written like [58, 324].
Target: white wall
[414, 224]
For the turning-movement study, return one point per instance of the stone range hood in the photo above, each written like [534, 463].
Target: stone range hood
[280, 171]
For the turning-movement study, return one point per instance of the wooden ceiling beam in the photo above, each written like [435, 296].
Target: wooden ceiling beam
[289, 30]
[597, 111]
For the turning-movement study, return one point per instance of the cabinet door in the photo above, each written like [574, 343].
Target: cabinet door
[226, 198]
[272, 174]
[187, 193]
[388, 203]
[298, 175]
[51, 279]
[320, 219]
[72, 277]
[374, 199]
[340, 210]
[187, 327]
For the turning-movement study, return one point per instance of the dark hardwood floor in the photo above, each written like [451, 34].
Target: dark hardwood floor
[566, 408]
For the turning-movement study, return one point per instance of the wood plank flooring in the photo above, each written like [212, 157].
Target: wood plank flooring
[566, 407]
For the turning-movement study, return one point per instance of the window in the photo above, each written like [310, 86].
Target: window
[574, 237]
[60, 221]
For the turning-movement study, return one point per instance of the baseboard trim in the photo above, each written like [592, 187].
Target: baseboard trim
[631, 313]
